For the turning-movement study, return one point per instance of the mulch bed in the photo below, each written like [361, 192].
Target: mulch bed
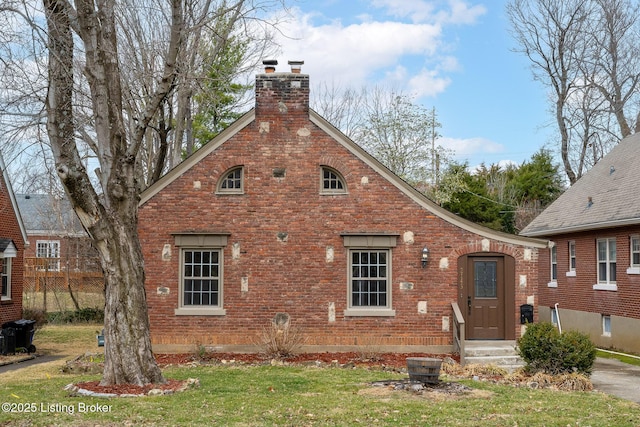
[383, 361]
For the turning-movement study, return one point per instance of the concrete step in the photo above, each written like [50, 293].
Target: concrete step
[499, 353]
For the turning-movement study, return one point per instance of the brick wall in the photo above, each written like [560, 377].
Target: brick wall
[577, 293]
[282, 228]
[10, 228]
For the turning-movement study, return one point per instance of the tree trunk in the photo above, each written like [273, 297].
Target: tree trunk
[128, 354]
[110, 218]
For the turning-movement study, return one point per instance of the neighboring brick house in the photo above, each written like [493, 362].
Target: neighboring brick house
[13, 240]
[593, 269]
[282, 213]
[59, 243]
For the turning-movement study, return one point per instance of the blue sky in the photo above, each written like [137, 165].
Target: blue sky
[453, 55]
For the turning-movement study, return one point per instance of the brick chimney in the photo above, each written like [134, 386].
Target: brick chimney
[282, 93]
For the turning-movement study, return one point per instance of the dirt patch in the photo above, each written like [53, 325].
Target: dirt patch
[442, 391]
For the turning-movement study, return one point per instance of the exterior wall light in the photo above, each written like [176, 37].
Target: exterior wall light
[425, 256]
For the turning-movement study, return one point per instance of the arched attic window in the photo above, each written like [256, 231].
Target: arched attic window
[232, 181]
[332, 182]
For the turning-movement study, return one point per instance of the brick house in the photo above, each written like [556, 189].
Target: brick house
[61, 252]
[283, 214]
[593, 269]
[13, 240]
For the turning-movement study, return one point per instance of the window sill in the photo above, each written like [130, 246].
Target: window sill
[200, 311]
[571, 273]
[605, 287]
[5, 299]
[370, 312]
[552, 285]
[633, 270]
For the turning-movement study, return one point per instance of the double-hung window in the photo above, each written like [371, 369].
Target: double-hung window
[369, 275]
[634, 246]
[5, 277]
[201, 274]
[48, 252]
[553, 267]
[8, 251]
[606, 249]
[572, 259]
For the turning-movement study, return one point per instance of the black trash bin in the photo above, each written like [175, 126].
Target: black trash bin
[7, 341]
[24, 330]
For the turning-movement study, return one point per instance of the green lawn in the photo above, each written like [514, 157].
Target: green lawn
[295, 396]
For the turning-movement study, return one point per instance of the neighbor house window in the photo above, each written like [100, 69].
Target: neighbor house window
[572, 259]
[201, 274]
[554, 316]
[332, 182]
[5, 276]
[48, 254]
[635, 254]
[606, 264]
[369, 275]
[606, 326]
[553, 267]
[232, 182]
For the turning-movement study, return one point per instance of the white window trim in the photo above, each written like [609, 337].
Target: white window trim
[7, 274]
[53, 263]
[602, 285]
[604, 332]
[572, 244]
[370, 242]
[633, 268]
[213, 241]
[554, 282]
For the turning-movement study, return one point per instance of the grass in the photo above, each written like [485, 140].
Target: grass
[619, 356]
[241, 395]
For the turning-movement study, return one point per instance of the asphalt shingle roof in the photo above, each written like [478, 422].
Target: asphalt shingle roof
[606, 196]
[45, 213]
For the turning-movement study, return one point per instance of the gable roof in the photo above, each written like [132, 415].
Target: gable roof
[12, 198]
[606, 196]
[360, 153]
[46, 214]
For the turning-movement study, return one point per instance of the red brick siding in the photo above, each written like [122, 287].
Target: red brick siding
[293, 276]
[577, 293]
[10, 228]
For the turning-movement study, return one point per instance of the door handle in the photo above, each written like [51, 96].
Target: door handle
[469, 305]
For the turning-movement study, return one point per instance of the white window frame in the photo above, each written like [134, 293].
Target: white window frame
[49, 249]
[222, 188]
[606, 283]
[370, 243]
[572, 259]
[334, 177]
[5, 276]
[553, 266]
[634, 251]
[606, 325]
[214, 242]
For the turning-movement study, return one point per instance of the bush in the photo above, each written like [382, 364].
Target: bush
[544, 349]
[84, 315]
[279, 339]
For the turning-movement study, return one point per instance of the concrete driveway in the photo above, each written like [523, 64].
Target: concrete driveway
[617, 378]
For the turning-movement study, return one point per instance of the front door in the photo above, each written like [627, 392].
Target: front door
[484, 298]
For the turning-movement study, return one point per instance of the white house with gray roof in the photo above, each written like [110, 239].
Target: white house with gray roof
[592, 272]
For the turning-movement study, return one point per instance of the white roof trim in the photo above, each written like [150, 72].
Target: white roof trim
[14, 202]
[10, 251]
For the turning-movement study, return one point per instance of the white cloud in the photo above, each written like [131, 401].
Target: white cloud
[468, 147]
[458, 11]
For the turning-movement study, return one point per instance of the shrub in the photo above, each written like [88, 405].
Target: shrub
[280, 338]
[544, 349]
[84, 315]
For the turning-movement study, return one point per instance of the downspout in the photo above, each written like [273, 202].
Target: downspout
[558, 317]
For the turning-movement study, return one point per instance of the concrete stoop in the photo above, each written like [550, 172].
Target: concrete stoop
[499, 353]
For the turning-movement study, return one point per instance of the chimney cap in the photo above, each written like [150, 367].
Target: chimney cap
[296, 62]
[273, 62]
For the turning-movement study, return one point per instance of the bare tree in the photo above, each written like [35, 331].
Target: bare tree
[113, 99]
[586, 52]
